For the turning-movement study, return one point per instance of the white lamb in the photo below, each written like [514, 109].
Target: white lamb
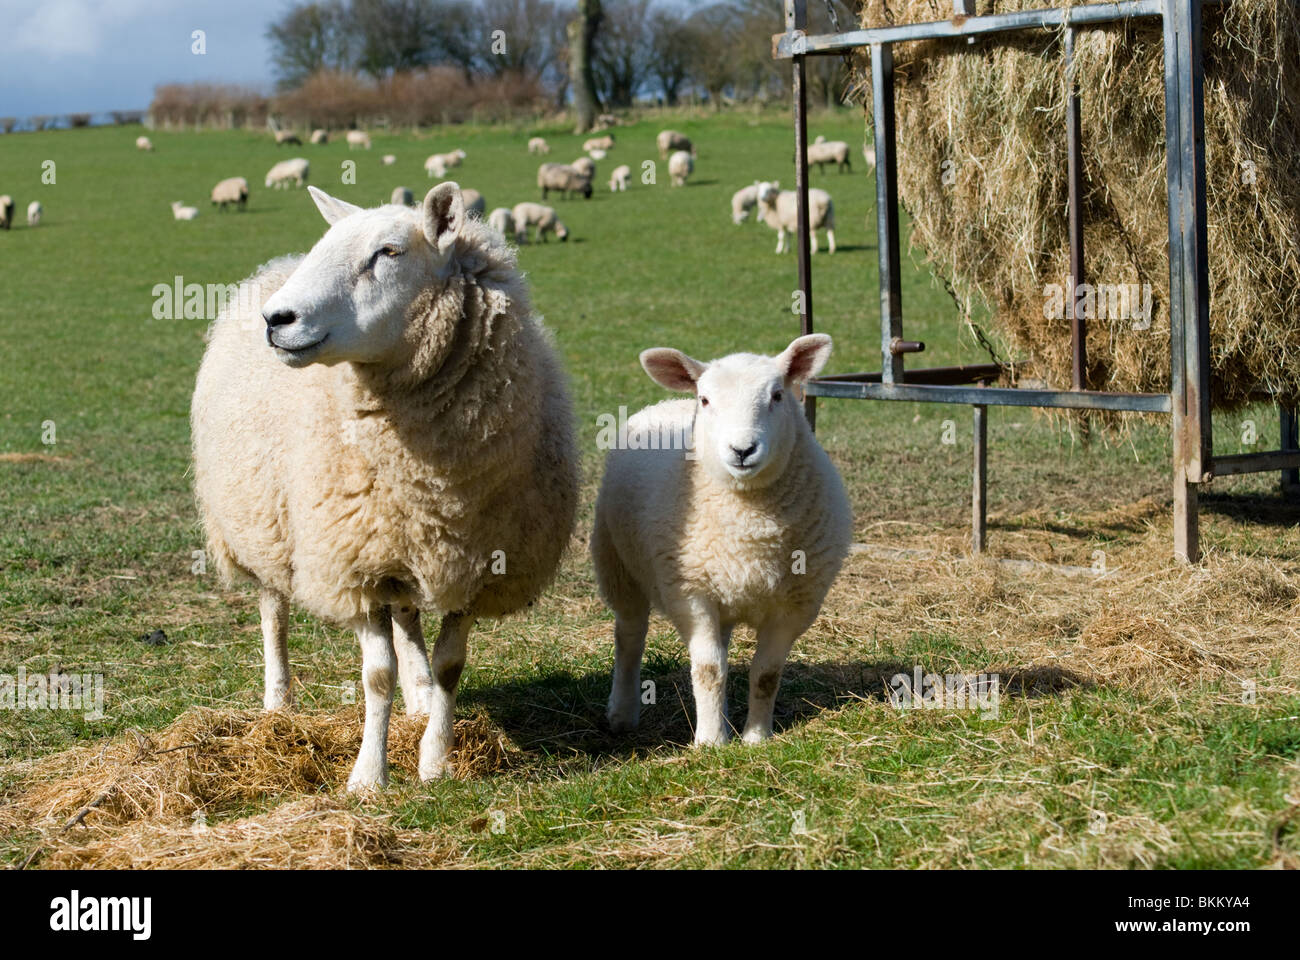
[502, 220]
[288, 173]
[619, 179]
[389, 159]
[182, 212]
[358, 140]
[680, 166]
[319, 136]
[597, 154]
[382, 427]
[538, 145]
[439, 163]
[6, 212]
[822, 151]
[779, 210]
[599, 143]
[742, 201]
[543, 217]
[143, 143]
[34, 213]
[749, 526]
[231, 190]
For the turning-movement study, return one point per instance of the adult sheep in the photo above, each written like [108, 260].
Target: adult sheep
[287, 138]
[779, 209]
[320, 136]
[822, 151]
[34, 213]
[288, 173]
[599, 143]
[231, 190]
[742, 201]
[585, 166]
[680, 166]
[537, 215]
[502, 220]
[563, 178]
[474, 202]
[749, 526]
[670, 140]
[538, 145]
[358, 140]
[383, 427]
[6, 211]
[402, 196]
[438, 164]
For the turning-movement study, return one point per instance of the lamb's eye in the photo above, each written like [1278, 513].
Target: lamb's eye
[704, 401]
[776, 396]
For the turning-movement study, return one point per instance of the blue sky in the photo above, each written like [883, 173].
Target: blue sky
[89, 56]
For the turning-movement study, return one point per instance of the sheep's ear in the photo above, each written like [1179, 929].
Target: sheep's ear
[672, 368]
[331, 208]
[805, 357]
[444, 215]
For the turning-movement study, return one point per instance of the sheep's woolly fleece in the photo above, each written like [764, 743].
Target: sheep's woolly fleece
[375, 483]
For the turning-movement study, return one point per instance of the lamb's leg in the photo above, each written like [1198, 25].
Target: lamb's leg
[708, 650]
[776, 636]
[448, 661]
[412, 660]
[378, 671]
[830, 239]
[780, 239]
[813, 235]
[274, 608]
[624, 710]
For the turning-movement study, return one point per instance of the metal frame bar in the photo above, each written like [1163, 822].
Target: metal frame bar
[1188, 399]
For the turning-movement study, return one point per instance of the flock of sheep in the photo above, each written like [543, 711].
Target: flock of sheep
[34, 212]
[370, 445]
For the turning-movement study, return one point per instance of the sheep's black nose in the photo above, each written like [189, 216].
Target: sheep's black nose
[280, 318]
[743, 455]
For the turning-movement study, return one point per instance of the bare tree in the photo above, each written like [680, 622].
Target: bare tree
[310, 37]
[621, 59]
[582, 37]
[672, 50]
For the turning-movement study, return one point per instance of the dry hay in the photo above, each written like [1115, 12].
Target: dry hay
[311, 833]
[211, 762]
[990, 118]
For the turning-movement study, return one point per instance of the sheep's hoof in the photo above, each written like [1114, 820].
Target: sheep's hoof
[439, 770]
[277, 699]
[710, 740]
[622, 721]
[756, 736]
[364, 780]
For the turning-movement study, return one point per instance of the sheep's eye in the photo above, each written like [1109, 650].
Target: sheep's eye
[391, 251]
[776, 397]
[704, 401]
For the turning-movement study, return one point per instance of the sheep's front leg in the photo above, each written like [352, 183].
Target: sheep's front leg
[412, 660]
[448, 662]
[776, 636]
[274, 608]
[830, 239]
[708, 651]
[813, 235]
[624, 709]
[780, 240]
[378, 673]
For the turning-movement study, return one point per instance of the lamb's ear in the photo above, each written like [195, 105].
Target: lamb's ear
[672, 368]
[805, 357]
[331, 208]
[444, 215]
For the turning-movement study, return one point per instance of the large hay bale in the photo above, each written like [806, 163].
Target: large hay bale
[982, 172]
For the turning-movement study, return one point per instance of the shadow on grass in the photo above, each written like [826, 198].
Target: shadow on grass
[564, 712]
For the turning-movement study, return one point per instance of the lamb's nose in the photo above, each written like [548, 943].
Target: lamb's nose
[743, 455]
[279, 318]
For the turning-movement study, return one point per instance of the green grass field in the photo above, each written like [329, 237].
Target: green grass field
[1148, 717]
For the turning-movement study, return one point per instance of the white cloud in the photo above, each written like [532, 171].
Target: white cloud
[62, 28]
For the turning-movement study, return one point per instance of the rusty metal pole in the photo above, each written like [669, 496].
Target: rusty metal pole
[796, 19]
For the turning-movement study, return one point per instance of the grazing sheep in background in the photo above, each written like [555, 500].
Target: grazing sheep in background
[538, 145]
[6, 211]
[869, 155]
[680, 166]
[502, 221]
[389, 159]
[822, 151]
[780, 211]
[752, 529]
[182, 212]
[543, 217]
[599, 143]
[376, 443]
[474, 202]
[567, 180]
[320, 136]
[605, 121]
[618, 180]
[597, 154]
[287, 138]
[143, 143]
[231, 190]
[358, 139]
[288, 173]
[402, 196]
[742, 201]
[585, 166]
[34, 213]
[439, 163]
[670, 140]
